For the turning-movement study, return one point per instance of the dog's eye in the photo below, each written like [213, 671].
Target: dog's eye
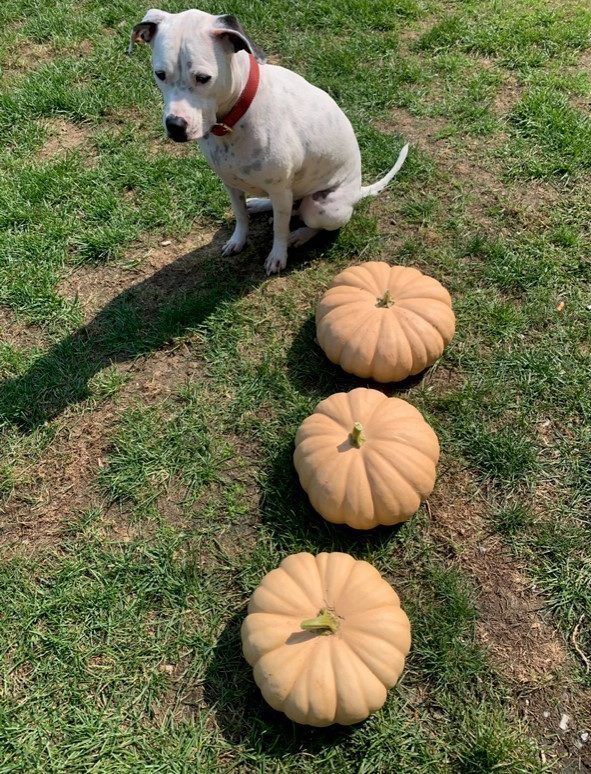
[160, 74]
[202, 78]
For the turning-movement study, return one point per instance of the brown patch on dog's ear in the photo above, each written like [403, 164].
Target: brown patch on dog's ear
[144, 31]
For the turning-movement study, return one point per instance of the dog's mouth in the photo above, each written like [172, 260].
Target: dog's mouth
[177, 138]
[187, 136]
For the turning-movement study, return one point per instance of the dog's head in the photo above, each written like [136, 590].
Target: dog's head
[191, 62]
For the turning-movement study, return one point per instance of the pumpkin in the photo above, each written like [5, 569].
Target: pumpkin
[366, 459]
[384, 322]
[326, 638]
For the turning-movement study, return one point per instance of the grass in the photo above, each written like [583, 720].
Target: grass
[178, 385]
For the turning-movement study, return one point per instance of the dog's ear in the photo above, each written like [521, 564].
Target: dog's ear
[144, 31]
[228, 28]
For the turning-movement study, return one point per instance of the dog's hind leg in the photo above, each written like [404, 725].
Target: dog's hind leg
[255, 205]
[328, 210]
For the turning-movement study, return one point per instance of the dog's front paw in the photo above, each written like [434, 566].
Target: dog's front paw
[234, 244]
[276, 261]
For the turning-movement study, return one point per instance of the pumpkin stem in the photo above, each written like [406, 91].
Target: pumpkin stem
[325, 621]
[386, 300]
[357, 437]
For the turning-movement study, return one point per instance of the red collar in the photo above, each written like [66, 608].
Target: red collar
[244, 101]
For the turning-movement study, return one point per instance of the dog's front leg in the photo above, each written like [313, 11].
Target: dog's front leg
[282, 202]
[238, 238]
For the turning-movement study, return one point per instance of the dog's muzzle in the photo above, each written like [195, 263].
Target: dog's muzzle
[176, 128]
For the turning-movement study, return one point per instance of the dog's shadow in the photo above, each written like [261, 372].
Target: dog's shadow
[141, 319]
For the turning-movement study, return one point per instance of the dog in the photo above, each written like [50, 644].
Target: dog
[262, 128]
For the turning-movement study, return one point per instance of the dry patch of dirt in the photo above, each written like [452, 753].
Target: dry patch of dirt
[183, 698]
[156, 143]
[421, 132]
[531, 203]
[409, 35]
[521, 643]
[25, 56]
[508, 96]
[522, 646]
[62, 485]
[162, 146]
[18, 334]
[443, 379]
[463, 173]
[582, 101]
[64, 136]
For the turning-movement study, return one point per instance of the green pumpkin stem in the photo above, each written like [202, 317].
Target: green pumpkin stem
[357, 437]
[386, 300]
[324, 621]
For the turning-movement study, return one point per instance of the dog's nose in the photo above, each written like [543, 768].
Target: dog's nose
[176, 128]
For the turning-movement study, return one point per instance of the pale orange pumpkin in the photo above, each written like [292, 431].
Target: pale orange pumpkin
[384, 322]
[326, 638]
[365, 459]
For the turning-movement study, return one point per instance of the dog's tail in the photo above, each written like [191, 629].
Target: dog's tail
[374, 190]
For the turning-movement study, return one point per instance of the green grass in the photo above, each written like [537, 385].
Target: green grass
[558, 134]
[119, 632]
[527, 33]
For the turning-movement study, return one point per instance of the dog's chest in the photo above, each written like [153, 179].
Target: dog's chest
[237, 167]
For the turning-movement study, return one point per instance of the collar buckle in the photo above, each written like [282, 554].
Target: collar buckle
[220, 128]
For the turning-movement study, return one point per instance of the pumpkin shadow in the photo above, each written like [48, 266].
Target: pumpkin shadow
[312, 373]
[295, 526]
[244, 717]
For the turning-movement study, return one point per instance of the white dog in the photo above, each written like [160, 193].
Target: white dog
[262, 128]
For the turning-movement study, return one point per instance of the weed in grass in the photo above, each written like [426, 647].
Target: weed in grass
[512, 519]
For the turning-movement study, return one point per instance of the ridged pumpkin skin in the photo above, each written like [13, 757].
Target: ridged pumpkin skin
[316, 676]
[384, 322]
[380, 479]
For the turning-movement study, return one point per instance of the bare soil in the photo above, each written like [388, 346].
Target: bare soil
[522, 644]
[64, 136]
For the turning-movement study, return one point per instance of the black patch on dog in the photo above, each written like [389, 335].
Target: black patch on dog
[254, 167]
[230, 22]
